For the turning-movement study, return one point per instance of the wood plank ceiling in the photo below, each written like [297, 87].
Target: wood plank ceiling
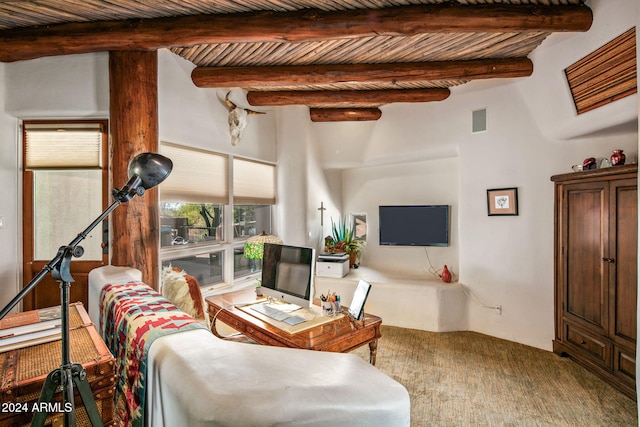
[343, 59]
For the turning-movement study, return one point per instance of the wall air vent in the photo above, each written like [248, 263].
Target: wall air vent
[479, 120]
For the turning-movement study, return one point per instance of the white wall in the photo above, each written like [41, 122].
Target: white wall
[72, 86]
[9, 243]
[547, 92]
[75, 86]
[533, 133]
[197, 117]
[302, 184]
[427, 182]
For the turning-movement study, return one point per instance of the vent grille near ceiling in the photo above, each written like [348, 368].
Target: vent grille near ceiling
[605, 75]
[479, 120]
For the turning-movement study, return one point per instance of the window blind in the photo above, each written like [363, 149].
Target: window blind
[198, 176]
[254, 183]
[63, 146]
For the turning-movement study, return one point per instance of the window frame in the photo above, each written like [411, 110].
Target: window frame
[229, 243]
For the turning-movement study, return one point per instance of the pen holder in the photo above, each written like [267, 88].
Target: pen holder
[328, 308]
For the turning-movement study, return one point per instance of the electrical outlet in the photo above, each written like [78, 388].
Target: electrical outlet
[498, 310]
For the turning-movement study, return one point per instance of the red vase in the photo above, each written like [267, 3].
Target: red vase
[617, 158]
[446, 275]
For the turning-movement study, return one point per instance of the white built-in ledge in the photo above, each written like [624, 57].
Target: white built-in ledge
[409, 301]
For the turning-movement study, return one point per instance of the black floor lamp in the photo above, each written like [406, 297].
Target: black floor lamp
[146, 170]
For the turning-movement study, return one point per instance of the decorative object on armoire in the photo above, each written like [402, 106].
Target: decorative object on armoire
[446, 275]
[596, 277]
[618, 158]
[589, 163]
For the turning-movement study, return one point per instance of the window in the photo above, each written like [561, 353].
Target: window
[209, 205]
[206, 267]
[190, 223]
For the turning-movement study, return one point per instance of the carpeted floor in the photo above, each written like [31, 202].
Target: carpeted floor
[470, 379]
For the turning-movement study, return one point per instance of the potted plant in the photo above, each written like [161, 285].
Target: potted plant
[344, 240]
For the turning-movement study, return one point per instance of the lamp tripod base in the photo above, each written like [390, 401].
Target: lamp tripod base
[65, 377]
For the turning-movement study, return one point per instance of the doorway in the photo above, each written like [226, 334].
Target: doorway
[65, 182]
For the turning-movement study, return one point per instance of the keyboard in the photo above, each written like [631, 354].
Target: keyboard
[274, 313]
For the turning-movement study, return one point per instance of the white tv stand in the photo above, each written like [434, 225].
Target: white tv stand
[417, 302]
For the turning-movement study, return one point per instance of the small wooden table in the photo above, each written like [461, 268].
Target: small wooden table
[341, 335]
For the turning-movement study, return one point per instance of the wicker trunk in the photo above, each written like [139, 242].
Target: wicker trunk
[24, 371]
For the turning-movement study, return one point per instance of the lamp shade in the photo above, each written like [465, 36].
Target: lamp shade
[152, 168]
[254, 246]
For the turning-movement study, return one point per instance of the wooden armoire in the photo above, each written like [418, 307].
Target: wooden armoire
[596, 247]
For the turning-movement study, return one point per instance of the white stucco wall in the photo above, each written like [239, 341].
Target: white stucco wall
[426, 182]
[546, 91]
[75, 86]
[533, 133]
[426, 151]
[9, 243]
[72, 86]
[302, 183]
[197, 117]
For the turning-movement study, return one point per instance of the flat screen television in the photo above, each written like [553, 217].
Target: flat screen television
[425, 225]
[288, 273]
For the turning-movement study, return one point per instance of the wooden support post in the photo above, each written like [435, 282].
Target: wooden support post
[133, 85]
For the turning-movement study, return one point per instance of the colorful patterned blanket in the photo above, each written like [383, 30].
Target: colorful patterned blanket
[133, 315]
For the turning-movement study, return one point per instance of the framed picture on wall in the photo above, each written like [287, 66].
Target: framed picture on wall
[502, 201]
[359, 225]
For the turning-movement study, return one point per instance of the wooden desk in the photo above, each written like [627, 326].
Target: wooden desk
[341, 335]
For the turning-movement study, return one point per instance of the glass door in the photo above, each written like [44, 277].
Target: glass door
[61, 198]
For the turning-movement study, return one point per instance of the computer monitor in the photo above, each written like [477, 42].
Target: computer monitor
[288, 273]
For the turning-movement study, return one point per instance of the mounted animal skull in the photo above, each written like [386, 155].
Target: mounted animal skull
[237, 119]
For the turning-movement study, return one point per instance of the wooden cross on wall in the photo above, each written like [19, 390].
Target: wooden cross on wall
[322, 209]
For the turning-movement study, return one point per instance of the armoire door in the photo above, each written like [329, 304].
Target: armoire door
[585, 230]
[622, 261]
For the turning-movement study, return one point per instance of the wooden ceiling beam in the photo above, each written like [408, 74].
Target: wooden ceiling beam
[268, 26]
[344, 98]
[344, 114]
[303, 75]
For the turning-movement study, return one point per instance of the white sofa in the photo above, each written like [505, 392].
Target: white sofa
[197, 379]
